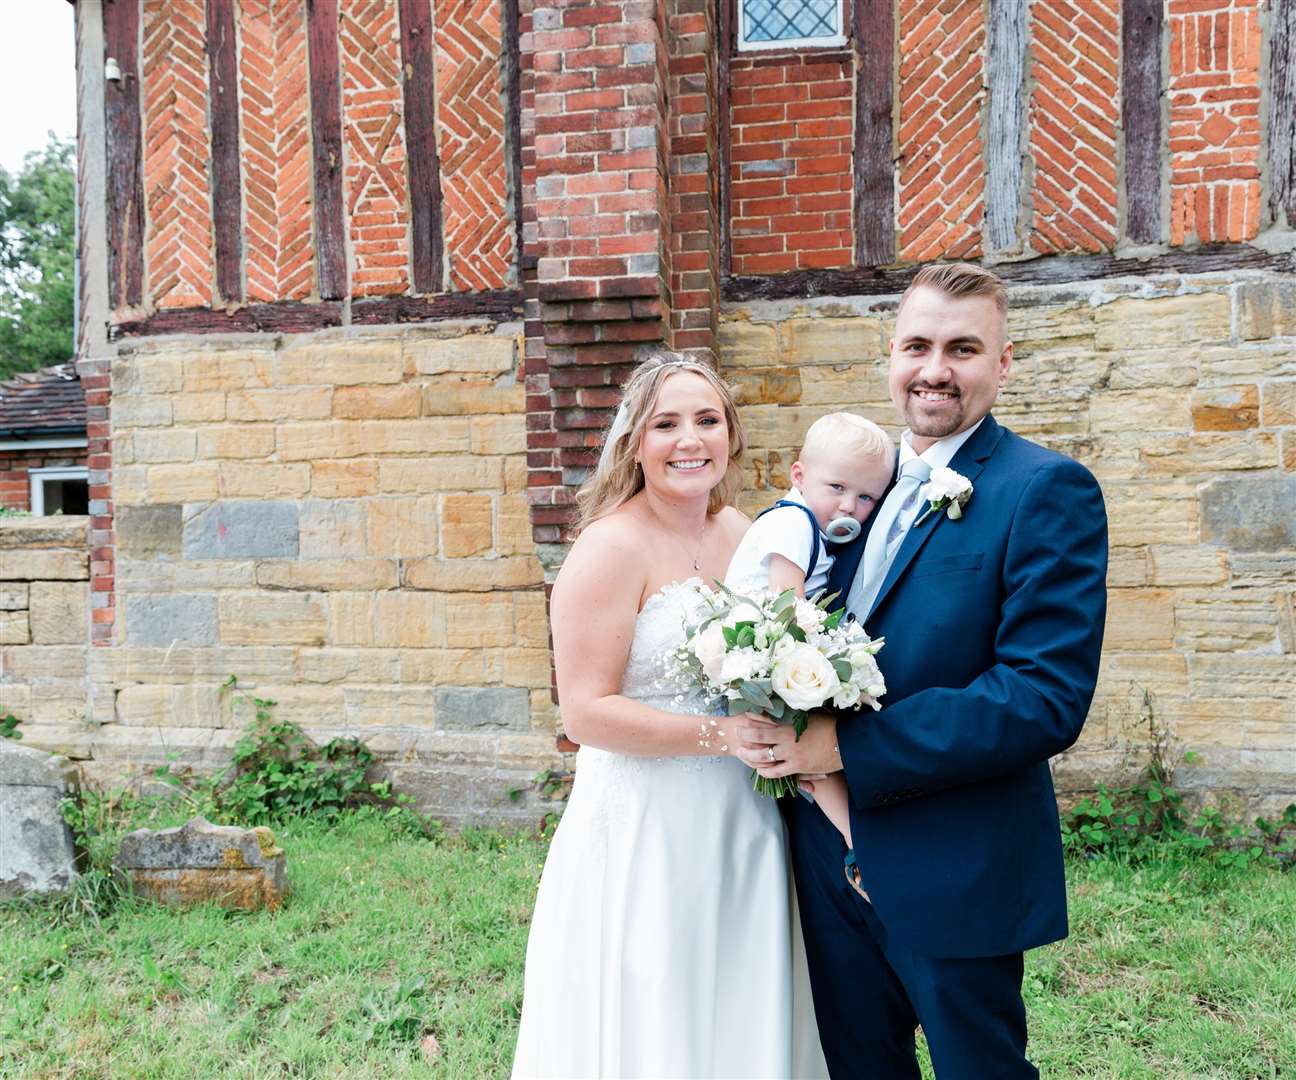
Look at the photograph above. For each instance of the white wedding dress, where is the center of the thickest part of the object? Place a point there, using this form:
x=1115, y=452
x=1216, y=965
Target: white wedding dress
x=664, y=942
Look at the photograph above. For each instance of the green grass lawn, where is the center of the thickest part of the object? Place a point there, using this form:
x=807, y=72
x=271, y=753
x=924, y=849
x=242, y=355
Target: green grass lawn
x=1171, y=971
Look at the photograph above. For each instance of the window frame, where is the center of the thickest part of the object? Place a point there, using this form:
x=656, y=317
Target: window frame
x=742, y=45
x=38, y=477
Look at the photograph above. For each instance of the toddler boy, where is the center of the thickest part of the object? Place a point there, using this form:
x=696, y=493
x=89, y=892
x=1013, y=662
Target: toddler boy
x=843, y=471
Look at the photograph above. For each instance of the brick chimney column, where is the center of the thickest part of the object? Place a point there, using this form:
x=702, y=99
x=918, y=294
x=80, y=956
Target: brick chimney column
x=596, y=237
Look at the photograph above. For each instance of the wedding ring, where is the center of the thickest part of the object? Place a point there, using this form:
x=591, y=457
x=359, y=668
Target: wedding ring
x=770, y=751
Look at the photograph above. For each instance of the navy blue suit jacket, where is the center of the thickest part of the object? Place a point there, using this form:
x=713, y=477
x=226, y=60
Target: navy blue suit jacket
x=993, y=627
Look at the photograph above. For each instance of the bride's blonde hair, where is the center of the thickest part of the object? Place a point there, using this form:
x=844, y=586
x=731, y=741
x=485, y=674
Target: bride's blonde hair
x=617, y=477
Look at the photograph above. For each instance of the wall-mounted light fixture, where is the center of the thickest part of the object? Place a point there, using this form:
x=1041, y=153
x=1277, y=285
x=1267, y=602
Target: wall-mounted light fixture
x=111, y=71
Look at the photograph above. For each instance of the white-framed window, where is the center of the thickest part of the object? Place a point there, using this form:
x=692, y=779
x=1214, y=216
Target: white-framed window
x=789, y=24
x=60, y=490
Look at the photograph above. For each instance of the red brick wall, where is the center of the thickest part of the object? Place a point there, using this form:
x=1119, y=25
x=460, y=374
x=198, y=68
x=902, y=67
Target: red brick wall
x=375, y=184
x=1214, y=92
x=177, y=150
x=15, y=465
x=790, y=161
x=281, y=92
x=479, y=228
x=1074, y=121
x=942, y=93
x=792, y=135
x=274, y=122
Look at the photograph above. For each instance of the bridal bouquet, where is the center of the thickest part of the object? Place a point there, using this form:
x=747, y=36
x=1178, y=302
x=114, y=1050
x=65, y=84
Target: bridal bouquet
x=779, y=656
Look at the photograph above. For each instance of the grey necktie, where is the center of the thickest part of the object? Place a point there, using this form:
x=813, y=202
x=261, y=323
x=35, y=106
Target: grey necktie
x=893, y=519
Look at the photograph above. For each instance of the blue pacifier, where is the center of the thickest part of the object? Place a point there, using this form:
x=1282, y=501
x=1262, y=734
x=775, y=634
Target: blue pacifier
x=842, y=530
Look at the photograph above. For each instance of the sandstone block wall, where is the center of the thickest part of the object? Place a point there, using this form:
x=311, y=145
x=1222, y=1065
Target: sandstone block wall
x=44, y=621
x=338, y=520
x=1180, y=394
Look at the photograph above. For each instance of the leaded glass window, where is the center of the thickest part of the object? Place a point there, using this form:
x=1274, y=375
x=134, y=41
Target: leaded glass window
x=781, y=24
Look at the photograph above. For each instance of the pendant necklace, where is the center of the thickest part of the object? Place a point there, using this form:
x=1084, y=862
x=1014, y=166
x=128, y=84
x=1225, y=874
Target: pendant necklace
x=697, y=554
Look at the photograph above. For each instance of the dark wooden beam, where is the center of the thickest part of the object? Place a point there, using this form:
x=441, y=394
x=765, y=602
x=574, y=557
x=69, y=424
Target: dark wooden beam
x=724, y=132
x=512, y=44
x=227, y=186
x=1282, y=113
x=501, y=304
x=418, y=66
x=124, y=153
x=287, y=317
x=1141, y=32
x=326, y=138
x=874, y=158
x=1050, y=270
x=1005, y=122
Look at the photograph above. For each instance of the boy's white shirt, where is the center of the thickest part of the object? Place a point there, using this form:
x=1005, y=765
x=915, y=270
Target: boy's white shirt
x=784, y=531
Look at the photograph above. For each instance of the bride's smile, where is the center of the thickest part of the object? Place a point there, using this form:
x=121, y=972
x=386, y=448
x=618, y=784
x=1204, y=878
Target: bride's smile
x=684, y=452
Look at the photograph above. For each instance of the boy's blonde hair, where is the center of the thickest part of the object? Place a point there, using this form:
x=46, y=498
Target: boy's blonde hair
x=848, y=433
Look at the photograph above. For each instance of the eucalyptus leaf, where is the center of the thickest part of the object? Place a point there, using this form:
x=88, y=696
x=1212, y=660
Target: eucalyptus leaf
x=752, y=692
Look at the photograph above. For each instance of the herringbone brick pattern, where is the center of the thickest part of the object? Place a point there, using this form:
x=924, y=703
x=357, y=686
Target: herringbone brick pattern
x=1215, y=53
x=275, y=128
x=942, y=175
x=1074, y=118
x=790, y=162
x=374, y=147
x=177, y=152
x=479, y=231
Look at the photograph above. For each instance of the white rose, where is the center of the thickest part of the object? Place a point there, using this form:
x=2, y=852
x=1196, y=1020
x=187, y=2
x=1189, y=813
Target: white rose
x=784, y=645
x=866, y=674
x=709, y=648
x=809, y=617
x=945, y=483
x=847, y=697
x=740, y=664
x=743, y=611
x=804, y=678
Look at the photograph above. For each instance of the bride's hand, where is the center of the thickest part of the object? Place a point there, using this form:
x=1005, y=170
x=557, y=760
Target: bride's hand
x=732, y=742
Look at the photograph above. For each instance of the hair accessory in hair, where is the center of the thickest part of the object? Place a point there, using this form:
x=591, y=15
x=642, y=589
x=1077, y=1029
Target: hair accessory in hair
x=620, y=424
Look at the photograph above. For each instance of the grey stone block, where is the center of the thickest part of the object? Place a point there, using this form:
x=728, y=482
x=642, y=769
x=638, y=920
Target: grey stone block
x=241, y=530
x=1251, y=513
x=469, y=708
x=146, y=532
x=37, y=851
x=166, y=620
x=198, y=844
x=204, y=863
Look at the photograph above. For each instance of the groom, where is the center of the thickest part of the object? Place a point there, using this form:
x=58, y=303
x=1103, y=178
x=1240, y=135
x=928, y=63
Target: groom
x=993, y=620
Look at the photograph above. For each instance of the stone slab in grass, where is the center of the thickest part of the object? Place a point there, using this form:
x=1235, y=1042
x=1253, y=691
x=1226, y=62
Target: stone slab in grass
x=199, y=862
x=37, y=850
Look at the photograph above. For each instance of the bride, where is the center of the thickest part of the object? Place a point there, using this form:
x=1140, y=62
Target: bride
x=663, y=940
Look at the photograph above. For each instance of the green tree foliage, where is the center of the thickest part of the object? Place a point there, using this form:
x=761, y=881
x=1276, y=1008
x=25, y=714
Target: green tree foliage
x=37, y=244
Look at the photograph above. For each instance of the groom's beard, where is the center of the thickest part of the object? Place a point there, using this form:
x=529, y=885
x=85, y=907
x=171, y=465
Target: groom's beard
x=947, y=419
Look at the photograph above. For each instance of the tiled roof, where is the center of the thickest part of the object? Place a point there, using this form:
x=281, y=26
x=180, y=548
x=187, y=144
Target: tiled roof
x=45, y=402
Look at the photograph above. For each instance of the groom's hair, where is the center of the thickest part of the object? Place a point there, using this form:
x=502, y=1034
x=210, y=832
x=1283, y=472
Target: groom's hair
x=960, y=280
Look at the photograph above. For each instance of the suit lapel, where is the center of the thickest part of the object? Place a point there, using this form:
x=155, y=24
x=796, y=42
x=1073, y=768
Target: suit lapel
x=969, y=461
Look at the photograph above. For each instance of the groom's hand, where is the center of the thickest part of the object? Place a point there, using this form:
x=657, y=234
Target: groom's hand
x=814, y=752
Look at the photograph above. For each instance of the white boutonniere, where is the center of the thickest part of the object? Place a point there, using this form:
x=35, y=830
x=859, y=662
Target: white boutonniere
x=945, y=490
